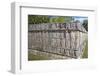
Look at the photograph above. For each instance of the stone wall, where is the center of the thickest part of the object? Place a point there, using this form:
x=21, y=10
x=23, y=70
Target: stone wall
x=67, y=39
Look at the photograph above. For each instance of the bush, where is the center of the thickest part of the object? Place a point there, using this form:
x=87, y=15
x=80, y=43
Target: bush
x=37, y=19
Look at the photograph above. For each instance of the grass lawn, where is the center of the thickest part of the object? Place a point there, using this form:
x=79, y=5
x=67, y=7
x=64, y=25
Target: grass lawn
x=85, y=53
x=36, y=57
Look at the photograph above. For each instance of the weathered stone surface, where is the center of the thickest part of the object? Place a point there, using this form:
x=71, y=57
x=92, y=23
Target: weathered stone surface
x=59, y=38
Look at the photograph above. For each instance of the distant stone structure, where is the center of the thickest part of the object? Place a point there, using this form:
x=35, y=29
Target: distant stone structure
x=59, y=39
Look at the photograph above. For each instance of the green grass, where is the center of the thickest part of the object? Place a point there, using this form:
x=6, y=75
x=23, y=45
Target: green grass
x=85, y=51
x=36, y=57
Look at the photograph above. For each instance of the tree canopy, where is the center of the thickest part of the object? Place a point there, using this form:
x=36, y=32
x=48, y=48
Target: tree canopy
x=85, y=24
x=61, y=19
x=37, y=19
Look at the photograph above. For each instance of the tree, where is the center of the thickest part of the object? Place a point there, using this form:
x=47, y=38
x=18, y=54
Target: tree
x=37, y=19
x=60, y=19
x=85, y=24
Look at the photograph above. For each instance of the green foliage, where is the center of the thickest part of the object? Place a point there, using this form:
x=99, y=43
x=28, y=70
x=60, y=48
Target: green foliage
x=60, y=19
x=85, y=24
x=37, y=19
x=69, y=19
